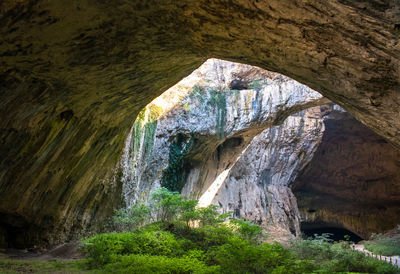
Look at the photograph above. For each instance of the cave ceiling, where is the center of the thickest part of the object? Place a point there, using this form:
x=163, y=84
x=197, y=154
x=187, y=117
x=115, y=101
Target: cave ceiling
x=74, y=74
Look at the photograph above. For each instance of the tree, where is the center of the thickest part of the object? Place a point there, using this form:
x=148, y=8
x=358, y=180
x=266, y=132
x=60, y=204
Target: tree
x=166, y=204
x=126, y=219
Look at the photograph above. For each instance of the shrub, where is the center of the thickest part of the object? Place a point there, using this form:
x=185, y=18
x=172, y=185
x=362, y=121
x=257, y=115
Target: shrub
x=210, y=216
x=207, y=237
x=166, y=204
x=158, y=264
x=126, y=219
x=248, y=230
x=318, y=248
x=240, y=256
x=188, y=212
x=103, y=247
x=383, y=245
x=173, y=246
x=337, y=257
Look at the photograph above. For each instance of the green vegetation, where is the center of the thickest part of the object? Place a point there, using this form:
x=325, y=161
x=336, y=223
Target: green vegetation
x=145, y=127
x=218, y=102
x=126, y=219
x=382, y=245
x=198, y=92
x=329, y=257
x=27, y=266
x=174, y=176
x=256, y=84
x=186, y=239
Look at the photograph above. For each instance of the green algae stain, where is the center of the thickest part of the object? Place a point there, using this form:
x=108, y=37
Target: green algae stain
x=144, y=130
x=221, y=116
x=218, y=101
x=175, y=176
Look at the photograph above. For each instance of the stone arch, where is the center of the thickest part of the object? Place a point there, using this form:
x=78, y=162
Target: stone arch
x=107, y=60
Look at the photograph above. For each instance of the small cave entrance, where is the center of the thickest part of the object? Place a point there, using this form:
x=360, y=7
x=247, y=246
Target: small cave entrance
x=16, y=232
x=335, y=233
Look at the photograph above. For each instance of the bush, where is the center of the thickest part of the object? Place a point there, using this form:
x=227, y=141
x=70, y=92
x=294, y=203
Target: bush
x=126, y=219
x=337, y=257
x=210, y=215
x=173, y=246
x=101, y=248
x=383, y=245
x=166, y=204
x=158, y=264
x=248, y=230
x=207, y=237
x=240, y=256
x=189, y=214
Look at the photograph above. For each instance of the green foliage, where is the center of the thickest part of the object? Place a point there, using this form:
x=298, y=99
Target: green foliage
x=174, y=176
x=218, y=102
x=167, y=204
x=144, y=130
x=126, y=219
x=240, y=256
x=103, y=248
x=248, y=230
x=174, y=246
x=383, y=245
x=256, y=84
x=198, y=92
x=337, y=257
x=189, y=214
x=207, y=237
x=209, y=215
x=158, y=264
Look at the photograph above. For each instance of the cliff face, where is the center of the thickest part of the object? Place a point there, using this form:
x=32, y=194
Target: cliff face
x=206, y=137
x=258, y=186
x=222, y=135
x=353, y=180
x=74, y=74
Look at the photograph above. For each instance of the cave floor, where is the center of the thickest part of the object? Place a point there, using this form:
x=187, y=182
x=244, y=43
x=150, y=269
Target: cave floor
x=64, y=258
x=38, y=266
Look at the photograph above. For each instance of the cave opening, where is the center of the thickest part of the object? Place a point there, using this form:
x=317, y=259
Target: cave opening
x=352, y=182
x=334, y=233
x=226, y=135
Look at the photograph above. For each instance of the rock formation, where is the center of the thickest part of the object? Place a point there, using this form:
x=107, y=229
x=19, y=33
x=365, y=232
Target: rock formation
x=353, y=180
x=74, y=74
x=205, y=138
x=258, y=187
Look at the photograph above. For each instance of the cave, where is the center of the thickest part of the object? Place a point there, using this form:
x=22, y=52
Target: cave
x=74, y=75
x=337, y=234
x=352, y=181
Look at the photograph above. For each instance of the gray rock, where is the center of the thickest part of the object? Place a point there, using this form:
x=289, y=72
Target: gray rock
x=236, y=155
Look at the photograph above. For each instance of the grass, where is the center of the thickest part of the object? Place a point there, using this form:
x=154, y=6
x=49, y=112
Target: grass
x=8, y=266
x=382, y=245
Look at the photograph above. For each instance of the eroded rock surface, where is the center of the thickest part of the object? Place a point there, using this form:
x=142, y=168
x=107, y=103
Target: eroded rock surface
x=211, y=142
x=206, y=139
x=258, y=187
x=74, y=74
x=353, y=180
